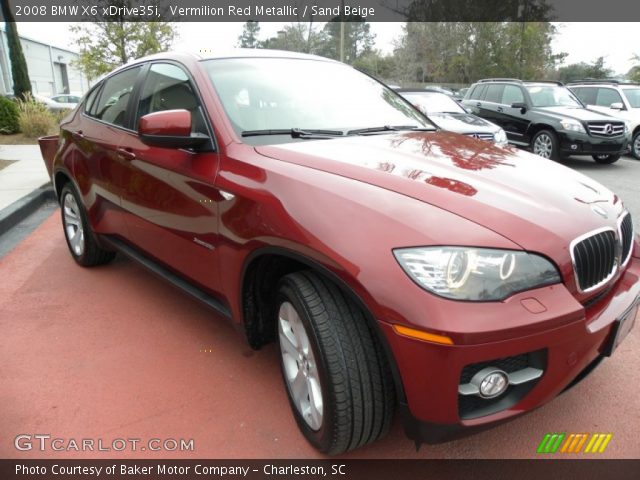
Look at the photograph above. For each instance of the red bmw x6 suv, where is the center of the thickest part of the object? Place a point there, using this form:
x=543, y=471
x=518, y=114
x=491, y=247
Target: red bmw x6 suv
x=399, y=267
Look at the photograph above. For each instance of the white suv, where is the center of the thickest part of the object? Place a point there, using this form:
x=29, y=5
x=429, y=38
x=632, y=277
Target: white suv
x=615, y=98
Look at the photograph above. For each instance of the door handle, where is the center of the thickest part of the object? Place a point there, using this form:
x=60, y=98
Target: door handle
x=499, y=109
x=126, y=154
x=478, y=104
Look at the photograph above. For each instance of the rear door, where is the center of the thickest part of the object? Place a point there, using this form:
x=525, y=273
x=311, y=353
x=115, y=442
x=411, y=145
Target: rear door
x=169, y=193
x=95, y=134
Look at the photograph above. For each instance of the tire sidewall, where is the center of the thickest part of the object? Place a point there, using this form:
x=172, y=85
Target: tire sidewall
x=634, y=152
x=323, y=437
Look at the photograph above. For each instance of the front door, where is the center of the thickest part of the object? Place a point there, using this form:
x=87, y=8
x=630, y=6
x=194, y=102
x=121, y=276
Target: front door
x=169, y=193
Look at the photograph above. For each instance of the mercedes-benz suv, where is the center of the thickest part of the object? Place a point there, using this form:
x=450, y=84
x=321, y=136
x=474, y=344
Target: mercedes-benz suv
x=548, y=118
x=614, y=98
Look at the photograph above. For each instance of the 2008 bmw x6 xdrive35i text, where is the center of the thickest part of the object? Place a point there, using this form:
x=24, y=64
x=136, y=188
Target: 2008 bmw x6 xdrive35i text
x=397, y=266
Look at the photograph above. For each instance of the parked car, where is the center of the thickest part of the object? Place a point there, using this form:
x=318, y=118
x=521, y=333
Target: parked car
x=399, y=267
x=549, y=119
x=67, y=99
x=51, y=104
x=449, y=115
x=615, y=98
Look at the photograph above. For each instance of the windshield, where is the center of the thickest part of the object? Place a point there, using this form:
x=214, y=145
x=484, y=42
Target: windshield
x=275, y=94
x=552, y=96
x=430, y=103
x=633, y=96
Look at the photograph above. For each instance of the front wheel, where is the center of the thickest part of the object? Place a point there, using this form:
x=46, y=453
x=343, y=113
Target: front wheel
x=635, y=145
x=606, y=159
x=545, y=144
x=338, y=382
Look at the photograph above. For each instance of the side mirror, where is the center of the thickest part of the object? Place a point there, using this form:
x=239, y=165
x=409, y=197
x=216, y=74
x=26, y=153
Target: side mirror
x=521, y=105
x=169, y=129
x=617, y=106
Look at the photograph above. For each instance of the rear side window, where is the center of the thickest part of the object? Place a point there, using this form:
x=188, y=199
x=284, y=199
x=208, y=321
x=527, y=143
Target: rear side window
x=478, y=92
x=607, y=96
x=114, y=97
x=587, y=95
x=512, y=94
x=494, y=93
x=89, y=102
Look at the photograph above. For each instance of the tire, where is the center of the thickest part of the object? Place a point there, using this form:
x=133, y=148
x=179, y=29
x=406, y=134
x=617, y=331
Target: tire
x=606, y=159
x=344, y=397
x=635, y=145
x=545, y=144
x=80, y=238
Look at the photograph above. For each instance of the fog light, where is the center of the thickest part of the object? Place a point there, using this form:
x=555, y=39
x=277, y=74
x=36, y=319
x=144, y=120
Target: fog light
x=491, y=382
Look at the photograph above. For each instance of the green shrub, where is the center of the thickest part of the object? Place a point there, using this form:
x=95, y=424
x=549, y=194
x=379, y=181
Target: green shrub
x=9, y=116
x=35, y=119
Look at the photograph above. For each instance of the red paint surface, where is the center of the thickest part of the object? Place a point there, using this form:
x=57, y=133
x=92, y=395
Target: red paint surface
x=115, y=352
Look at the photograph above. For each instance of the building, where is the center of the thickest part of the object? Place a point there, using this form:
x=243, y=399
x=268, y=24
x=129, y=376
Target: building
x=50, y=68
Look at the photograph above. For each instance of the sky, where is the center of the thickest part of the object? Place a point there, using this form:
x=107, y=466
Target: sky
x=584, y=42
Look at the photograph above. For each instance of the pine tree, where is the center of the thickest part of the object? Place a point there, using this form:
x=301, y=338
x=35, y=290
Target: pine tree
x=19, y=71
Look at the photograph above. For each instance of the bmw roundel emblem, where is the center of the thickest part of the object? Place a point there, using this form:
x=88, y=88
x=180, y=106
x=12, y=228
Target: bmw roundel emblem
x=599, y=210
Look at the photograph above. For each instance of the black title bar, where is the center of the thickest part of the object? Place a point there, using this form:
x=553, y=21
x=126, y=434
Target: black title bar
x=325, y=10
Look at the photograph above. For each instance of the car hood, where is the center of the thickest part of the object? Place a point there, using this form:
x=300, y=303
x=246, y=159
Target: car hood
x=463, y=123
x=582, y=114
x=536, y=203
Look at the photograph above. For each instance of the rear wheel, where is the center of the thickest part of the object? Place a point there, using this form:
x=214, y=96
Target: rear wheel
x=80, y=238
x=606, y=159
x=338, y=381
x=545, y=144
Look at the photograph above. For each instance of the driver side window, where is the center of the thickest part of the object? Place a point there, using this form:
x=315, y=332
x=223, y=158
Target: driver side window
x=167, y=87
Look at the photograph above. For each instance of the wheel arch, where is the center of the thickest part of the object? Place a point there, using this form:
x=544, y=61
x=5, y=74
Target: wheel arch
x=261, y=271
x=537, y=127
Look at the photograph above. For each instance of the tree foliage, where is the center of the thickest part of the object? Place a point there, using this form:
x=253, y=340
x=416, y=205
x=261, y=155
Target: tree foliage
x=462, y=52
x=634, y=73
x=105, y=45
x=19, y=70
x=249, y=36
x=582, y=70
x=358, y=39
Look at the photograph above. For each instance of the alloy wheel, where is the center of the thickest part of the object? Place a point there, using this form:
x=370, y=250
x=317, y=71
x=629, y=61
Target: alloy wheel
x=543, y=146
x=300, y=367
x=73, y=224
x=636, y=146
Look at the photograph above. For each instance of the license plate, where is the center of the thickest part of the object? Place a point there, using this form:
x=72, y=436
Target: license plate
x=621, y=328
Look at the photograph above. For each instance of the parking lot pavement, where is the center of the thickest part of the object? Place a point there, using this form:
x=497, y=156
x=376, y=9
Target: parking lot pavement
x=116, y=353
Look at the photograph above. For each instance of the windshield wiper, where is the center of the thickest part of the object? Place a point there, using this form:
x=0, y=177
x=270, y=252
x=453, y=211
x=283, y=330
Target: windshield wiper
x=388, y=128
x=295, y=133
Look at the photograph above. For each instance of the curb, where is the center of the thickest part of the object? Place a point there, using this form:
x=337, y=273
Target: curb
x=20, y=209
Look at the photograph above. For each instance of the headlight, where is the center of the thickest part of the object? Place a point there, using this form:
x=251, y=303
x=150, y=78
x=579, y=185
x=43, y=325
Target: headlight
x=572, y=126
x=479, y=274
x=500, y=137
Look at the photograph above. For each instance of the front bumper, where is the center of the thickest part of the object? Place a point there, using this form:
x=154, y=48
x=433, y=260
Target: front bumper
x=431, y=373
x=574, y=143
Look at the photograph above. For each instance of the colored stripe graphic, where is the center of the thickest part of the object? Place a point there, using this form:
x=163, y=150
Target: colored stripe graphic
x=551, y=442
x=573, y=443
